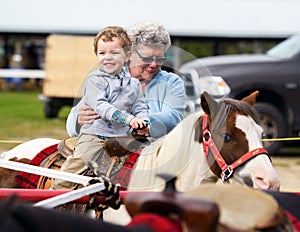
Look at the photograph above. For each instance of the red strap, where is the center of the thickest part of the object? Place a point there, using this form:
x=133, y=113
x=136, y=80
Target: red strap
x=205, y=132
x=208, y=143
x=227, y=170
x=218, y=157
x=249, y=155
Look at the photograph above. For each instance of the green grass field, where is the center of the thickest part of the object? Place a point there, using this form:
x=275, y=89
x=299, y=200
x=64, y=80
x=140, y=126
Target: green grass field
x=22, y=119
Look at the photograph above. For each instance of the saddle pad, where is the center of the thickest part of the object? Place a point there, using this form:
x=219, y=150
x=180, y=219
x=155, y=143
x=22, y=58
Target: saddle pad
x=123, y=176
x=29, y=180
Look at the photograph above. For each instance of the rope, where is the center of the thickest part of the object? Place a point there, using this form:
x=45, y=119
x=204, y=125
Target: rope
x=264, y=140
x=11, y=141
x=281, y=139
x=111, y=194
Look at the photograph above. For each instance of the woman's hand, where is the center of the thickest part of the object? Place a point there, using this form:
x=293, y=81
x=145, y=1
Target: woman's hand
x=86, y=115
x=144, y=132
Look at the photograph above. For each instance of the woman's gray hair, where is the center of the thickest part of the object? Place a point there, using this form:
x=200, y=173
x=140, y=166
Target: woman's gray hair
x=148, y=32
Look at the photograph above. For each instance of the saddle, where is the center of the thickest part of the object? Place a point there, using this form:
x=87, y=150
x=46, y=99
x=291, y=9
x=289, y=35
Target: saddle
x=114, y=155
x=53, y=161
x=54, y=156
x=199, y=215
x=244, y=209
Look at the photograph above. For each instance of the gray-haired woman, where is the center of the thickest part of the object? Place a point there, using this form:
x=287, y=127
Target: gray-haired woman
x=164, y=91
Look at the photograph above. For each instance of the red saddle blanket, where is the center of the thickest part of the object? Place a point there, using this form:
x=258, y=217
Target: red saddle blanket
x=30, y=181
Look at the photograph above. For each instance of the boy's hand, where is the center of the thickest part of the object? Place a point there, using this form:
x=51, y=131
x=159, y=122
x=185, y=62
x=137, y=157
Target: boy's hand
x=137, y=123
x=140, y=126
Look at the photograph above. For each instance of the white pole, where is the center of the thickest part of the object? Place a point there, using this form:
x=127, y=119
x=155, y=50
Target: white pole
x=84, y=180
x=70, y=196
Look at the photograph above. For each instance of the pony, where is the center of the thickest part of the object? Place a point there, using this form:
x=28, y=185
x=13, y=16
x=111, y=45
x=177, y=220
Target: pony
x=188, y=153
x=221, y=142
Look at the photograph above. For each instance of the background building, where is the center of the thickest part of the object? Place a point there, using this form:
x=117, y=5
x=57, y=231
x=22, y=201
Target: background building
x=202, y=27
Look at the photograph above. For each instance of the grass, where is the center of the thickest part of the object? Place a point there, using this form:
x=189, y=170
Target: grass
x=22, y=119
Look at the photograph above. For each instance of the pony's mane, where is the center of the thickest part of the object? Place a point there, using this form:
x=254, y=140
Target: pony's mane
x=185, y=127
x=242, y=108
x=227, y=106
x=171, y=153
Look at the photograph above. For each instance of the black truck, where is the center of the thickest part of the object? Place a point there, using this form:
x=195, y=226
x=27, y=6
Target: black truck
x=276, y=74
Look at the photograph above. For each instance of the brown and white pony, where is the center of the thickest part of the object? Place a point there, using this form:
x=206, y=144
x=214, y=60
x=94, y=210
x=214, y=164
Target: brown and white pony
x=224, y=142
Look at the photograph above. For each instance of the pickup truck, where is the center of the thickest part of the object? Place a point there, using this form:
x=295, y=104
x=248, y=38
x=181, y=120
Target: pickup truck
x=276, y=74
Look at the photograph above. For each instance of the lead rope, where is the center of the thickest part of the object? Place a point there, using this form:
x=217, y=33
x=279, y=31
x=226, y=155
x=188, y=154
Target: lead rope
x=111, y=194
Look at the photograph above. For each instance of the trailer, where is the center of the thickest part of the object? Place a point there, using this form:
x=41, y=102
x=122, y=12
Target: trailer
x=68, y=60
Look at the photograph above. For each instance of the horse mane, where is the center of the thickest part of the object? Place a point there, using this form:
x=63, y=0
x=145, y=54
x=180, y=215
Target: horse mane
x=226, y=107
x=242, y=108
x=229, y=105
x=174, y=153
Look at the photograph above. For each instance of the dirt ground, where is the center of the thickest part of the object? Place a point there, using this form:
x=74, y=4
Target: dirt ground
x=288, y=169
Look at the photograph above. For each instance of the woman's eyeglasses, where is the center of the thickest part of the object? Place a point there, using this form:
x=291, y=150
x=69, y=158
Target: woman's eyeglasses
x=150, y=59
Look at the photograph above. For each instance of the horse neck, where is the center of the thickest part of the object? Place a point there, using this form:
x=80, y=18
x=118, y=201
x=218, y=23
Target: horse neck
x=177, y=153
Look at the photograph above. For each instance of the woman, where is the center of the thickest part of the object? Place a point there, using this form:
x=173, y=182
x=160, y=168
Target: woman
x=164, y=92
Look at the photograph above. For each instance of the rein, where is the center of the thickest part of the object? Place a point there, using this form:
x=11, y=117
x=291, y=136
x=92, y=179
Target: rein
x=227, y=170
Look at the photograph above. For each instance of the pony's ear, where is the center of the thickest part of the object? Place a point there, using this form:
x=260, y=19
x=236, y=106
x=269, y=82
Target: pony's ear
x=208, y=104
x=251, y=99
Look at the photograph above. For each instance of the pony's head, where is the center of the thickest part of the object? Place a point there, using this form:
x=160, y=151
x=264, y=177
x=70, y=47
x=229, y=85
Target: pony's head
x=231, y=135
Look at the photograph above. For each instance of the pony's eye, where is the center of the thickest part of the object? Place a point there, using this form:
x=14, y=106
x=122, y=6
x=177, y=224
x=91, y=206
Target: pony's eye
x=227, y=138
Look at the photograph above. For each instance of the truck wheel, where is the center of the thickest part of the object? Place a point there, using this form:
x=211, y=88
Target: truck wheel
x=51, y=108
x=273, y=124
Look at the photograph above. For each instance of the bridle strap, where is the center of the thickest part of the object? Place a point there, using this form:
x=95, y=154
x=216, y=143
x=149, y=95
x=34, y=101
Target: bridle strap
x=249, y=155
x=227, y=170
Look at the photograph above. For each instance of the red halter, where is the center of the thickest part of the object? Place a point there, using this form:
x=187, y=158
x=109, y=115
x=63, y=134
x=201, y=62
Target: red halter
x=227, y=170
